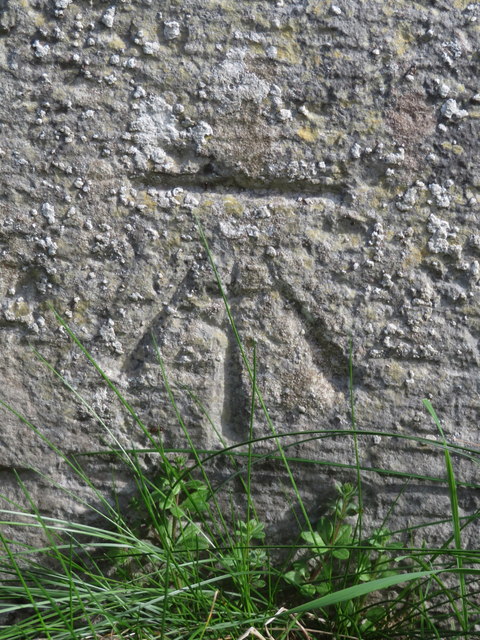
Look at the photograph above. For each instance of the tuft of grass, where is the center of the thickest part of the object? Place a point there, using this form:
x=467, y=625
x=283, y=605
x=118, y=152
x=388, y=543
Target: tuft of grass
x=187, y=561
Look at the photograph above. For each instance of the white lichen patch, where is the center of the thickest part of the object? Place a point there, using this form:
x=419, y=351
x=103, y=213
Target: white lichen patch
x=18, y=310
x=443, y=90
x=284, y=115
x=440, y=195
x=439, y=240
x=356, y=151
x=171, y=29
x=451, y=111
x=108, y=17
x=232, y=231
x=107, y=334
x=156, y=134
x=377, y=241
x=40, y=50
x=200, y=133
x=139, y=92
x=232, y=82
x=48, y=212
x=48, y=245
x=154, y=130
x=150, y=48
x=396, y=158
x=408, y=199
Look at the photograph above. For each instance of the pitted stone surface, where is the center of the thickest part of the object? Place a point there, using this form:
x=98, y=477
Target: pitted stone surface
x=329, y=151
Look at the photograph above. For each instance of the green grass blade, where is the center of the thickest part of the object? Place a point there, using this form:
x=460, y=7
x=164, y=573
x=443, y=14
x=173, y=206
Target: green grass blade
x=359, y=590
x=353, y=419
x=452, y=489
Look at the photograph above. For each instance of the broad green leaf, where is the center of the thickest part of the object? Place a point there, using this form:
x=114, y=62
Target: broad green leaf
x=344, y=534
x=375, y=613
x=365, y=577
x=177, y=512
x=198, y=485
x=293, y=577
x=301, y=569
x=315, y=540
x=308, y=590
x=254, y=528
x=196, y=502
x=367, y=625
x=325, y=528
x=191, y=539
x=341, y=553
x=323, y=588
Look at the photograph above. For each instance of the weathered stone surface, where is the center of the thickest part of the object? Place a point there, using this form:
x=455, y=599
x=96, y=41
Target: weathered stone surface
x=7, y=16
x=329, y=152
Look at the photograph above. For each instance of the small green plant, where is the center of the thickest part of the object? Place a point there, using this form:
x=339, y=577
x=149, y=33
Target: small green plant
x=167, y=512
x=245, y=556
x=335, y=558
x=329, y=542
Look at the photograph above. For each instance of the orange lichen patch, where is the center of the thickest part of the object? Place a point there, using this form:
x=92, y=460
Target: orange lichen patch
x=402, y=42
x=116, y=42
x=455, y=148
x=414, y=258
x=307, y=133
x=233, y=206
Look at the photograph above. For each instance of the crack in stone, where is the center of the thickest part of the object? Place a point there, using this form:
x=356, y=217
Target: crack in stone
x=245, y=185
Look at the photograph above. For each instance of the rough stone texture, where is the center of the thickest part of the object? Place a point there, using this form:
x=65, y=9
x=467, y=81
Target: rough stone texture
x=328, y=150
